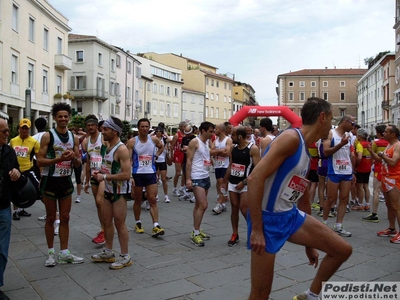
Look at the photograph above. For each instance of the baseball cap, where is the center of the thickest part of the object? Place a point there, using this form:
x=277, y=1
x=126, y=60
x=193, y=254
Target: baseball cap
x=25, y=122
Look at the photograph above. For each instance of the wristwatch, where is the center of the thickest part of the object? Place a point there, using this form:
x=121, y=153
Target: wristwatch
x=380, y=153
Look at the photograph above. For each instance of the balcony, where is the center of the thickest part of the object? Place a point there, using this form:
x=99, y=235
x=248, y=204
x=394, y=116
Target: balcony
x=128, y=102
x=89, y=94
x=62, y=62
x=385, y=105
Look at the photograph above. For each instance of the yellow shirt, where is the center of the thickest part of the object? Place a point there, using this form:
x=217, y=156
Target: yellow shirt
x=25, y=149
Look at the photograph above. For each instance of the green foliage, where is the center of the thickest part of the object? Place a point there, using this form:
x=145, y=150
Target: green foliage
x=125, y=132
x=77, y=121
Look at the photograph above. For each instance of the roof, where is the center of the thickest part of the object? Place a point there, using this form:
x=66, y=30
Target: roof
x=217, y=75
x=326, y=72
x=76, y=38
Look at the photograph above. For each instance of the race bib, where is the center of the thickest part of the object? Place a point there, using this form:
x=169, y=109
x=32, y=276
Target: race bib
x=295, y=189
x=207, y=165
x=342, y=165
x=63, y=168
x=219, y=160
x=237, y=170
x=95, y=162
x=21, y=151
x=145, y=160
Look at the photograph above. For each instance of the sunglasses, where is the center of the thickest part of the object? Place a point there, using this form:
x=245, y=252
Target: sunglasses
x=351, y=122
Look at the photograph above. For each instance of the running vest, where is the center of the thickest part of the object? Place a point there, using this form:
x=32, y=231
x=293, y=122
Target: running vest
x=366, y=160
x=93, y=150
x=313, y=150
x=221, y=161
x=323, y=160
x=56, y=148
x=111, y=166
x=242, y=164
x=339, y=163
x=143, y=156
x=201, y=163
x=177, y=147
x=387, y=170
x=161, y=157
x=283, y=188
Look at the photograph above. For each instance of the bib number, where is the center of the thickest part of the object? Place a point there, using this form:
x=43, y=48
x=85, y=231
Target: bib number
x=295, y=189
x=95, y=162
x=342, y=165
x=145, y=160
x=63, y=168
x=21, y=151
x=207, y=165
x=237, y=170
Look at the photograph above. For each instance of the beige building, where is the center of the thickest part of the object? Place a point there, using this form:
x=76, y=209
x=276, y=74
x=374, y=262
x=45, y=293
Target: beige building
x=244, y=94
x=338, y=86
x=33, y=57
x=202, y=78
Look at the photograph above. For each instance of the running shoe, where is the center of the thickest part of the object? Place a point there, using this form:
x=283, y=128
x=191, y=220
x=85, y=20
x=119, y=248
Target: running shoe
x=157, y=231
x=78, y=199
x=217, y=209
x=348, y=209
x=69, y=259
x=340, y=231
x=147, y=205
x=204, y=236
x=396, y=239
x=175, y=192
x=371, y=218
x=51, y=260
x=302, y=296
x=99, y=239
x=320, y=213
x=139, y=228
x=367, y=207
x=387, y=232
x=332, y=214
x=167, y=200
x=104, y=256
x=223, y=207
x=197, y=240
x=192, y=199
x=121, y=262
x=24, y=213
x=358, y=207
x=234, y=240
x=182, y=191
x=15, y=216
x=315, y=206
x=42, y=218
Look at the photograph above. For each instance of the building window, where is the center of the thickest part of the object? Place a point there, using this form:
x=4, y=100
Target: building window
x=100, y=59
x=154, y=87
x=78, y=82
x=79, y=56
x=230, y=99
x=118, y=61
x=302, y=84
x=217, y=83
x=212, y=112
x=58, y=84
x=45, y=82
x=31, y=29
x=79, y=106
x=313, y=95
x=212, y=96
x=176, y=110
x=14, y=69
x=15, y=18
x=325, y=94
x=161, y=109
x=129, y=67
x=207, y=81
x=302, y=96
x=206, y=111
x=325, y=83
x=313, y=83
x=342, y=112
x=31, y=75
x=193, y=99
x=176, y=92
x=212, y=82
x=161, y=89
x=225, y=98
x=154, y=111
x=59, y=45
x=168, y=110
x=291, y=83
x=217, y=97
x=291, y=96
x=342, y=83
x=217, y=113
x=112, y=64
x=168, y=91
x=112, y=88
x=45, y=39
x=207, y=95
x=342, y=96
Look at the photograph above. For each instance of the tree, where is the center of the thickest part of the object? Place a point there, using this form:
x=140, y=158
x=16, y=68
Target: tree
x=77, y=121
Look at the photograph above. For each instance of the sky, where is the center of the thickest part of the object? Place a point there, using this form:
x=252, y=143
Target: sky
x=256, y=40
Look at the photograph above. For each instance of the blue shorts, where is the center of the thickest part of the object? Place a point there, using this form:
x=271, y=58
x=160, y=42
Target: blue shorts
x=145, y=179
x=335, y=178
x=278, y=227
x=203, y=183
x=220, y=172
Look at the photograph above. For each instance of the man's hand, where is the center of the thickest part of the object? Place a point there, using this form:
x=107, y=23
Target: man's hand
x=312, y=255
x=257, y=241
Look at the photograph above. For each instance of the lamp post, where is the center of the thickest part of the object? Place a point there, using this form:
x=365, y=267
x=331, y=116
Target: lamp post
x=28, y=104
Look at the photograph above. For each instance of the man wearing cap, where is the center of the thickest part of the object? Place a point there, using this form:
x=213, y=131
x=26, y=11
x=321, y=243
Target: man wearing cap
x=9, y=172
x=25, y=146
x=92, y=145
x=58, y=154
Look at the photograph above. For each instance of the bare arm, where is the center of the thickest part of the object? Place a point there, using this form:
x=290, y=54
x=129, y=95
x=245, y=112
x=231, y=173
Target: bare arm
x=159, y=145
x=193, y=146
x=328, y=150
x=396, y=156
x=43, y=161
x=76, y=161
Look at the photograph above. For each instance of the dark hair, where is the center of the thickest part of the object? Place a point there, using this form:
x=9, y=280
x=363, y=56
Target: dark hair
x=267, y=124
x=40, y=124
x=100, y=124
x=395, y=130
x=143, y=120
x=380, y=128
x=206, y=125
x=60, y=106
x=162, y=125
x=227, y=124
x=91, y=116
x=241, y=131
x=313, y=108
x=159, y=129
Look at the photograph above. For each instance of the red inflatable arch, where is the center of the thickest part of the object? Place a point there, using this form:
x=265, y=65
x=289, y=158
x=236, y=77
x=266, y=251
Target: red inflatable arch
x=254, y=111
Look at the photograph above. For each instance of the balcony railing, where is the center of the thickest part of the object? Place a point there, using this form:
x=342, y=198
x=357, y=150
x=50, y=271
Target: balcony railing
x=385, y=105
x=90, y=94
x=62, y=62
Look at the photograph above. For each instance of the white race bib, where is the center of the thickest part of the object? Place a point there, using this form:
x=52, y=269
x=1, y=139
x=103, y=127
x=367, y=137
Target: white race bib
x=295, y=189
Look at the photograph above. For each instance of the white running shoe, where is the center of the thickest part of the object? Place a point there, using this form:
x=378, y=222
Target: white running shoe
x=167, y=200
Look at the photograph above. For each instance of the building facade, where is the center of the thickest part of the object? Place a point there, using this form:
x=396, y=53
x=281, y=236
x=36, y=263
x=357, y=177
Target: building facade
x=338, y=86
x=33, y=58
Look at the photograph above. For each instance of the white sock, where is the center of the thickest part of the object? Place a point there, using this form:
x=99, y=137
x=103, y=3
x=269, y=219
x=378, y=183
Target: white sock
x=196, y=232
x=138, y=221
x=64, y=252
x=50, y=250
x=155, y=224
x=311, y=295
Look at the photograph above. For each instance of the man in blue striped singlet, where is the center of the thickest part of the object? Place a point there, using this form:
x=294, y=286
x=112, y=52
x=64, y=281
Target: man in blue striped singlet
x=277, y=184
